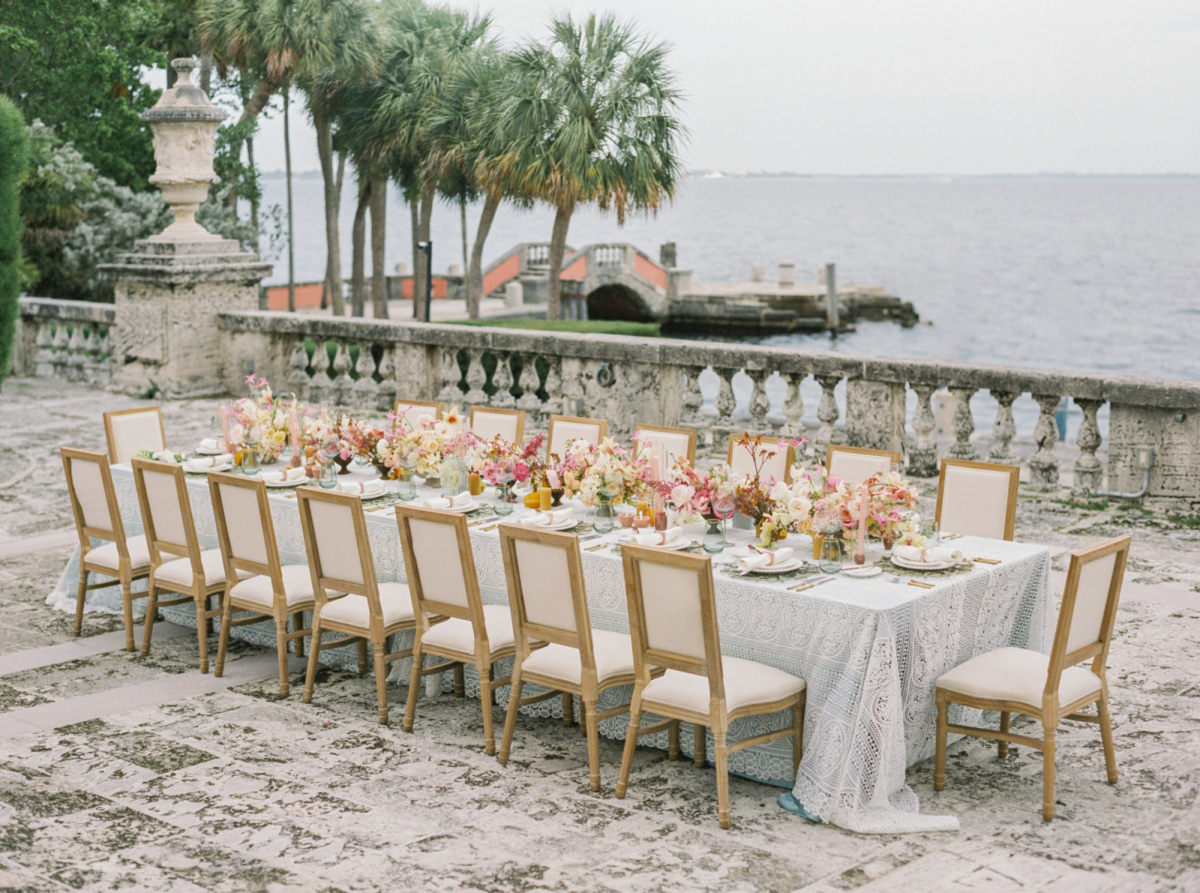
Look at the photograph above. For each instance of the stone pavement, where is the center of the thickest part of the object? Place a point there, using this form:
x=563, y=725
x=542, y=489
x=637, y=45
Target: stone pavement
x=123, y=772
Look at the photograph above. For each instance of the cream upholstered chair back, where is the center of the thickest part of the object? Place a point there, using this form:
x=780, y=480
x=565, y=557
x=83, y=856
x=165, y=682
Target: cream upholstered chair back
x=508, y=424
x=977, y=498
x=564, y=429
x=166, y=511
x=545, y=586
x=777, y=466
x=245, y=530
x=414, y=410
x=439, y=563
x=854, y=465
x=1089, y=608
x=672, y=613
x=337, y=545
x=672, y=443
x=130, y=430
x=93, y=499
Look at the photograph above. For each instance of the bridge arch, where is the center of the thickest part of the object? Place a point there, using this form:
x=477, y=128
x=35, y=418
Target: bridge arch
x=618, y=302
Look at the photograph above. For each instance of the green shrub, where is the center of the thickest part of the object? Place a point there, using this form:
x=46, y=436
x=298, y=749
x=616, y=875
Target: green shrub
x=13, y=158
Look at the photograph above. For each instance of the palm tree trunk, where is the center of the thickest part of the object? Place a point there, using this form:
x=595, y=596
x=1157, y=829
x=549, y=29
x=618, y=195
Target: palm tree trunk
x=475, y=271
x=558, y=246
x=254, y=200
x=378, y=273
x=462, y=212
x=333, y=253
x=421, y=283
x=206, y=67
x=414, y=210
x=287, y=161
x=358, y=285
x=250, y=109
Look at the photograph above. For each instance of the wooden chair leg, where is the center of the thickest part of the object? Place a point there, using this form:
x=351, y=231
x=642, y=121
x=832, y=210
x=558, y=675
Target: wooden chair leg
x=510, y=716
x=281, y=646
x=722, y=750
x=127, y=610
x=939, y=760
x=151, y=613
x=414, y=686
x=593, y=743
x=798, y=734
x=1106, y=736
x=297, y=625
x=80, y=599
x=631, y=737
x=1002, y=746
x=314, y=652
x=1048, y=748
x=460, y=688
x=568, y=705
x=362, y=657
x=487, y=698
x=223, y=638
x=380, y=682
x=700, y=743
x=202, y=624
x=673, y=740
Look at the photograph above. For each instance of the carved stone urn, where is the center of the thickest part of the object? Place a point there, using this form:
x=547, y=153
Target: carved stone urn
x=184, y=124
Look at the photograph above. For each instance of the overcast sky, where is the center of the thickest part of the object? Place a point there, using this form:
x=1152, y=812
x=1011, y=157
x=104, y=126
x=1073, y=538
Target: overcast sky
x=908, y=86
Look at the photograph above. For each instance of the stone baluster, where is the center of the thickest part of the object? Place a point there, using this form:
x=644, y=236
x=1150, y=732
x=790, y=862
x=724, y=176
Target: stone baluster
x=1043, y=465
x=385, y=394
x=60, y=358
x=964, y=424
x=450, y=393
x=1088, y=471
x=102, y=372
x=922, y=454
x=77, y=347
x=476, y=379
x=693, y=399
x=793, y=407
x=320, y=387
x=760, y=404
x=1004, y=429
x=44, y=357
x=343, y=384
x=297, y=377
x=94, y=362
x=827, y=415
x=365, y=391
x=529, y=382
x=726, y=401
x=554, y=389
x=502, y=381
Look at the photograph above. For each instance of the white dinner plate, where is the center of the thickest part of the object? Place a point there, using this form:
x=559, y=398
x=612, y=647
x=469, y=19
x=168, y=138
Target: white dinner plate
x=462, y=510
x=226, y=467
x=204, y=452
x=561, y=525
x=670, y=547
x=870, y=571
x=281, y=485
x=921, y=565
x=790, y=565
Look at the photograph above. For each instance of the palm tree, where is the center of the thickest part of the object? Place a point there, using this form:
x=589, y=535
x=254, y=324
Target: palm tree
x=594, y=111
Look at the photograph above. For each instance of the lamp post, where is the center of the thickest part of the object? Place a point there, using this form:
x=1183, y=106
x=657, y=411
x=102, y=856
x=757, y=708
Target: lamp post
x=427, y=248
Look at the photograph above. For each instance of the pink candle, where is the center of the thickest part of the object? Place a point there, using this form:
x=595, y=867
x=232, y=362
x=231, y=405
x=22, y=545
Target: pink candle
x=655, y=465
x=225, y=424
x=864, y=508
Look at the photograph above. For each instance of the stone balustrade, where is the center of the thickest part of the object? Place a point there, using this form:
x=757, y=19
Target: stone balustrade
x=64, y=339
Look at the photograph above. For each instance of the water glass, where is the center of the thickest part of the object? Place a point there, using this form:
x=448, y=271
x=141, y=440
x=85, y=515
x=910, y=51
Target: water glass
x=714, y=536
x=406, y=487
x=328, y=476
x=929, y=530
x=504, y=504
x=830, y=561
x=602, y=517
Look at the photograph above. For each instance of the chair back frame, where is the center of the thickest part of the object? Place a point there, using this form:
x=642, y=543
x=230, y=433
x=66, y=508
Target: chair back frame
x=110, y=436
x=645, y=657
x=272, y=568
x=157, y=547
x=832, y=449
x=690, y=433
x=423, y=605
x=789, y=456
x=322, y=583
x=600, y=424
x=86, y=533
x=1014, y=473
x=523, y=628
x=490, y=410
x=438, y=407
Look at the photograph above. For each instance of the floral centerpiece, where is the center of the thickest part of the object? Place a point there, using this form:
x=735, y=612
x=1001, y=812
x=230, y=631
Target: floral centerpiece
x=261, y=419
x=586, y=468
x=432, y=441
x=754, y=494
x=502, y=463
x=696, y=496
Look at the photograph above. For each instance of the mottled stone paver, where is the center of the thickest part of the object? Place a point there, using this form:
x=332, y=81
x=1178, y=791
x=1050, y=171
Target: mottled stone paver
x=236, y=790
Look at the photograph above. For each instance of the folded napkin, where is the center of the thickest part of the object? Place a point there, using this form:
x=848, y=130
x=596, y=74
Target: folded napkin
x=207, y=463
x=931, y=555
x=659, y=537
x=209, y=444
x=762, y=558
x=365, y=489
x=287, y=476
x=166, y=456
x=548, y=519
x=461, y=501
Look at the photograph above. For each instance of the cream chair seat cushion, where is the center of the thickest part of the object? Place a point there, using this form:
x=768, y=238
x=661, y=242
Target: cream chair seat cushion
x=353, y=610
x=747, y=682
x=107, y=555
x=1016, y=674
x=613, y=653
x=297, y=587
x=456, y=634
x=178, y=572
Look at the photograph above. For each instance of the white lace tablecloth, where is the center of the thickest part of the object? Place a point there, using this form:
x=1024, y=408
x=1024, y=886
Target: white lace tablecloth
x=869, y=649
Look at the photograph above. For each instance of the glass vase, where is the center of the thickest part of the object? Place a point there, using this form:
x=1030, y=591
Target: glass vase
x=406, y=487
x=714, y=536
x=454, y=476
x=831, y=555
x=602, y=517
x=504, y=504
x=328, y=476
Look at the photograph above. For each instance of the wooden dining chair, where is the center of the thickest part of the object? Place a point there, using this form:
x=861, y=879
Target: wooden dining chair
x=1050, y=688
x=855, y=464
x=489, y=423
x=779, y=466
x=130, y=430
x=977, y=498
x=565, y=428
x=246, y=534
x=195, y=574
x=441, y=577
x=97, y=516
x=549, y=607
x=673, y=624
x=348, y=597
x=412, y=410
x=675, y=443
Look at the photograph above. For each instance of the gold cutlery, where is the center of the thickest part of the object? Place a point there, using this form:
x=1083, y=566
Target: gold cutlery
x=920, y=584
x=596, y=547
x=952, y=536
x=489, y=527
x=988, y=560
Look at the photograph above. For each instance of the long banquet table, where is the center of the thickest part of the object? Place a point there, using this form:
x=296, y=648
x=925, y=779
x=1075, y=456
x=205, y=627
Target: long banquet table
x=870, y=650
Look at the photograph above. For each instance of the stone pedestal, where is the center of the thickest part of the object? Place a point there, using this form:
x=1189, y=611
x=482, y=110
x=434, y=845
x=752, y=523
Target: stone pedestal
x=168, y=295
